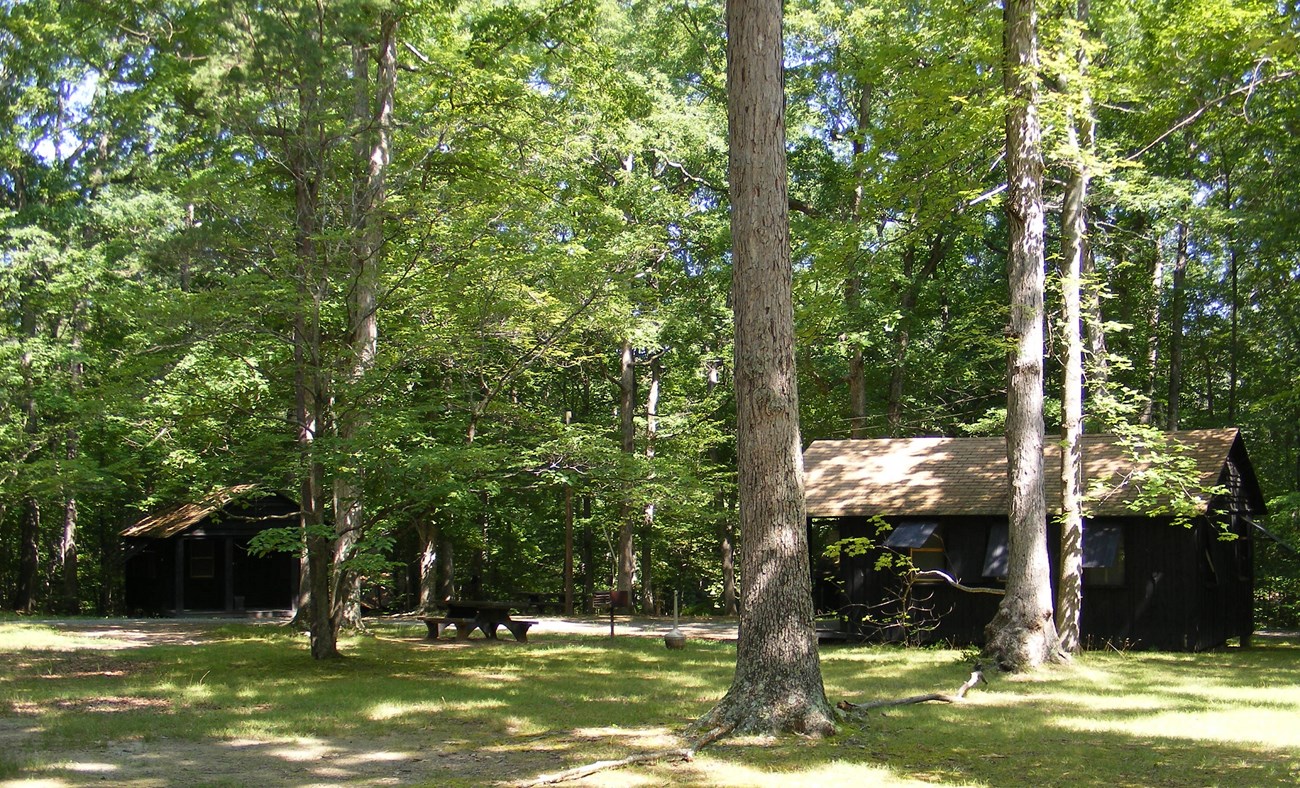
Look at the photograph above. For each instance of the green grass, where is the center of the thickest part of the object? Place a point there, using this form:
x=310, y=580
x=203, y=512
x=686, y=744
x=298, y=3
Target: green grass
x=451, y=713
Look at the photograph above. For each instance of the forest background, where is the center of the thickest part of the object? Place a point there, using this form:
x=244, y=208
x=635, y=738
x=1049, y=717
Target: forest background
x=455, y=275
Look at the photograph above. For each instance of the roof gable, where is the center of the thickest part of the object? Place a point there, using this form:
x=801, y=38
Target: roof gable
x=968, y=476
x=178, y=518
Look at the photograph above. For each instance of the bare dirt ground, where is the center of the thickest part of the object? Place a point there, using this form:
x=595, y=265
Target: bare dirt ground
x=382, y=760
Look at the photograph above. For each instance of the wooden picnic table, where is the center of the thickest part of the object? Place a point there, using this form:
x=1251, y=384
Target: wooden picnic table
x=466, y=615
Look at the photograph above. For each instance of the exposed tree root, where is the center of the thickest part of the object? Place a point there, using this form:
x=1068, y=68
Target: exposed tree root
x=861, y=709
x=718, y=732
x=679, y=754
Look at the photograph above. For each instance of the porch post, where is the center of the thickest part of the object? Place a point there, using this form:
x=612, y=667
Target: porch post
x=178, y=593
x=230, y=574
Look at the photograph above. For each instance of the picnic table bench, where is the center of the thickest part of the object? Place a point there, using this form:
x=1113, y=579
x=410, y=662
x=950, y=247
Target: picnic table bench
x=467, y=615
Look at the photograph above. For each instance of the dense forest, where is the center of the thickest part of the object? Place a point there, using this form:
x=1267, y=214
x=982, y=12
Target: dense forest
x=455, y=276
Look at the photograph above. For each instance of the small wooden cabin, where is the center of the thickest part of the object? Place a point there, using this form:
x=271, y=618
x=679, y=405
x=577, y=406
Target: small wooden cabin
x=194, y=557
x=1148, y=583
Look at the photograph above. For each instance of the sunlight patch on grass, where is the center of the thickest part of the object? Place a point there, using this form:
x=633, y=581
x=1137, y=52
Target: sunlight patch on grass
x=92, y=767
x=26, y=637
x=1257, y=696
x=640, y=738
x=1253, y=728
x=390, y=710
x=1083, y=701
x=717, y=772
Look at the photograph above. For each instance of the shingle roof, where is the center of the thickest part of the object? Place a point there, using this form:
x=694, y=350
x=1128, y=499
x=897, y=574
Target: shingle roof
x=968, y=476
x=174, y=519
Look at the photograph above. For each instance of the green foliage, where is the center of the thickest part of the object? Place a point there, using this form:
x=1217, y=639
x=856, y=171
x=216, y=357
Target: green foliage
x=558, y=185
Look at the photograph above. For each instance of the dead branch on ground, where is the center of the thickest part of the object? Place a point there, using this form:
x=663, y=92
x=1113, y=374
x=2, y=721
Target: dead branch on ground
x=861, y=709
x=679, y=754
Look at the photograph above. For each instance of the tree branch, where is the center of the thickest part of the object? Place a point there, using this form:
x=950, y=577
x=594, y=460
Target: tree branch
x=952, y=581
x=1248, y=89
x=860, y=709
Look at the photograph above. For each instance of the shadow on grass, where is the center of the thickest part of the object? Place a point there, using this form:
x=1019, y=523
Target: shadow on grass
x=250, y=704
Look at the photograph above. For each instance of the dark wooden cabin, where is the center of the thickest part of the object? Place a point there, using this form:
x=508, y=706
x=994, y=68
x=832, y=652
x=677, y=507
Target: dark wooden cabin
x=1148, y=583
x=194, y=557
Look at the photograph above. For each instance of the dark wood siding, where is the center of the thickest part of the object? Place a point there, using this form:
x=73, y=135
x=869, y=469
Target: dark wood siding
x=1166, y=598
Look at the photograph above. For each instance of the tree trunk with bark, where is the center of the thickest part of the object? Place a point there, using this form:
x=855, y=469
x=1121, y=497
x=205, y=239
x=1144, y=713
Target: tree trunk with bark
x=722, y=505
x=1157, y=274
x=426, y=529
x=373, y=121
x=29, y=534
x=778, y=684
x=649, y=602
x=853, y=282
x=1074, y=242
x=626, y=558
x=1177, y=317
x=1022, y=635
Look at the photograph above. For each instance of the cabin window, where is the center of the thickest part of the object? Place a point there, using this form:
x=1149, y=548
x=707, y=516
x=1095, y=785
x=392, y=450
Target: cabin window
x=911, y=534
x=1103, y=554
x=928, y=557
x=997, y=554
x=918, y=540
x=203, y=559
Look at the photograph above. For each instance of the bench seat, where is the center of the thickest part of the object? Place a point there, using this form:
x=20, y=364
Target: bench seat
x=464, y=626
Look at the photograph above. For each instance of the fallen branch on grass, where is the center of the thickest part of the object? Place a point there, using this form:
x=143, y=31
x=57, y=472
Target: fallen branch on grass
x=679, y=754
x=976, y=677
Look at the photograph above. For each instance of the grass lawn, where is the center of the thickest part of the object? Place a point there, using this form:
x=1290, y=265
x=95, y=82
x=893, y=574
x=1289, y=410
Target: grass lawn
x=246, y=705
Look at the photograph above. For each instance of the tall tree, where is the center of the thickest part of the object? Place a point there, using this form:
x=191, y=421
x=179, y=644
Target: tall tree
x=778, y=683
x=1022, y=635
x=1080, y=133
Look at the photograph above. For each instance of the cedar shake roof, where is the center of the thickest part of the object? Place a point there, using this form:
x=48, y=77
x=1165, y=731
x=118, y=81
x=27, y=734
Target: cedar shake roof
x=175, y=519
x=968, y=476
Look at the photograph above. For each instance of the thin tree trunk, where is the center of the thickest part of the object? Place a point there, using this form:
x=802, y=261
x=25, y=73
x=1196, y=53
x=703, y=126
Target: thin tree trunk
x=588, y=558
x=446, y=571
x=722, y=505
x=1234, y=346
x=648, y=600
x=1074, y=241
x=1097, y=362
x=568, y=535
x=778, y=683
x=373, y=147
x=68, y=554
x=1153, y=335
x=1177, y=317
x=309, y=384
x=627, y=430
x=1022, y=634
x=853, y=283
x=29, y=545
x=902, y=335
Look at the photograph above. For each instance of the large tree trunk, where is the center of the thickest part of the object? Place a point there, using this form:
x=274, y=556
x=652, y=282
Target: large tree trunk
x=1177, y=316
x=426, y=529
x=1074, y=243
x=778, y=684
x=1022, y=635
x=626, y=559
